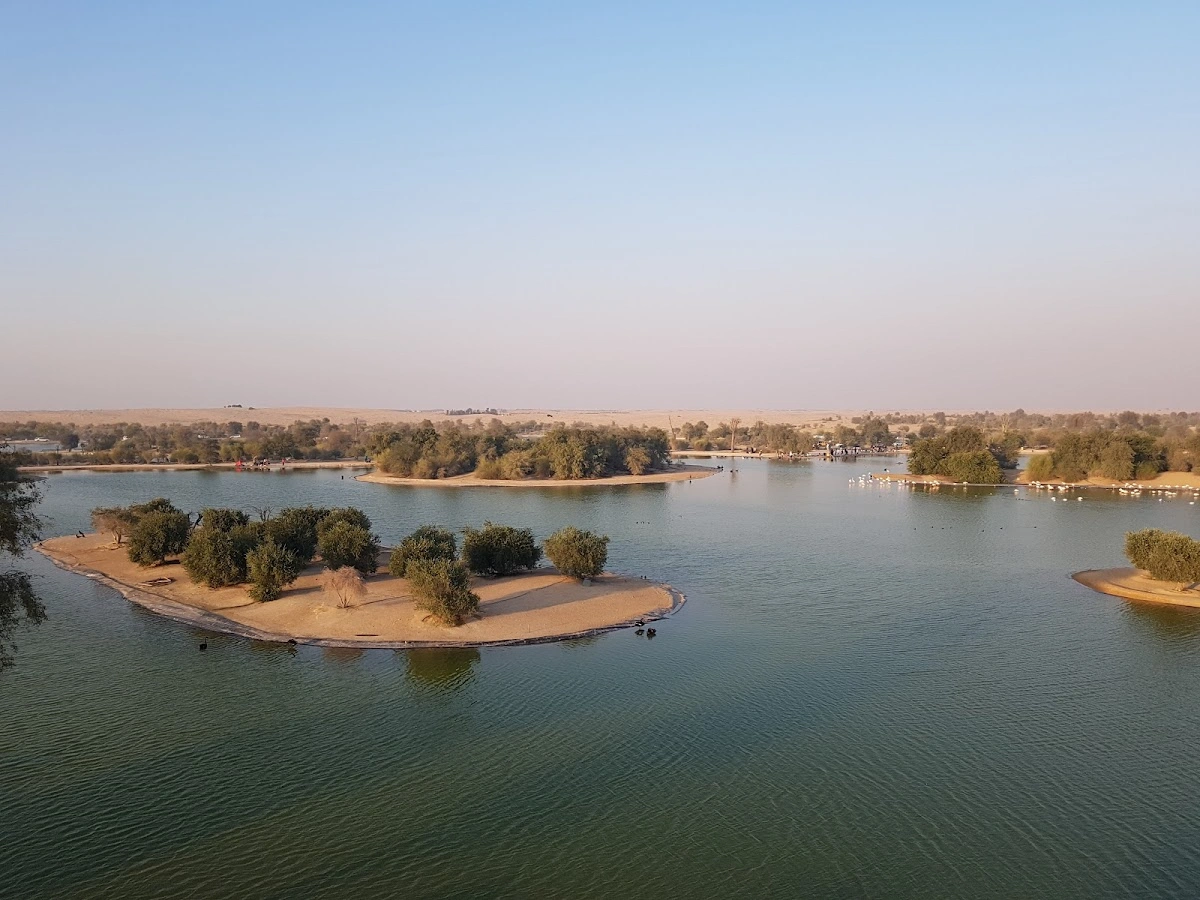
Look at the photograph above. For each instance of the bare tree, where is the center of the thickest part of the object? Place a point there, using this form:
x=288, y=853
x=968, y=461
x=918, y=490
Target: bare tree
x=733, y=427
x=346, y=582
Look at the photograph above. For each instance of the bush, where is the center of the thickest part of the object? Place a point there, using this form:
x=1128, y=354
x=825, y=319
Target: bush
x=271, y=568
x=443, y=589
x=158, y=535
x=973, y=467
x=346, y=582
x=499, y=549
x=1040, y=468
x=348, y=514
x=296, y=528
x=1166, y=555
x=347, y=544
x=427, y=542
x=223, y=519
x=217, y=558
x=577, y=554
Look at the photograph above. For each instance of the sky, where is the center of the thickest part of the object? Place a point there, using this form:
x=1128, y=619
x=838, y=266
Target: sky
x=607, y=205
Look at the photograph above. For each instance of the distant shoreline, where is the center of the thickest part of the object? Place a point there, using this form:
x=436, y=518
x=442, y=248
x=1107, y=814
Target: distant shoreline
x=678, y=473
x=1131, y=584
x=197, y=467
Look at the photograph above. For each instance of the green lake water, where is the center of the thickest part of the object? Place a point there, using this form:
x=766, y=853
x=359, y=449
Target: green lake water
x=872, y=691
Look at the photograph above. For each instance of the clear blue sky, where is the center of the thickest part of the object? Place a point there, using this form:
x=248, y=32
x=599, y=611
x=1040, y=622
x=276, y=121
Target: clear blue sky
x=789, y=205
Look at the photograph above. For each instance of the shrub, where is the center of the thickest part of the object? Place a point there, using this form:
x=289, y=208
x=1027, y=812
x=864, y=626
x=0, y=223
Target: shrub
x=296, y=528
x=577, y=554
x=223, y=519
x=346, y=544
x=1041, y=467
x=427, y=542
x=158, y=535
x=346, y=582
x=443, y=589
x=348, y=514
x=973, y=467
x=1166, y=555
x=217, y=558
x=499, y=549
x=271, y=568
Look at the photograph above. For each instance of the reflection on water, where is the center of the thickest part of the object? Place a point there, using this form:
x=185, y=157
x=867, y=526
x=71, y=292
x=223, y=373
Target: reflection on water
x=448, y=668
x=872, y=691
x=1177, y=624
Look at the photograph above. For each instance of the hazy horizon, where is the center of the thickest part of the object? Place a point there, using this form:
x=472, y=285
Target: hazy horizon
x=404, y=207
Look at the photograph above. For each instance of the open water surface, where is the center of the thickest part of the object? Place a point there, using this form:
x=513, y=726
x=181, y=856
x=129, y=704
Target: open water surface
x=872, y=692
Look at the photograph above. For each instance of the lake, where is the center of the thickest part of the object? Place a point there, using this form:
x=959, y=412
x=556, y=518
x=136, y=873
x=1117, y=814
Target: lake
x=872, y=691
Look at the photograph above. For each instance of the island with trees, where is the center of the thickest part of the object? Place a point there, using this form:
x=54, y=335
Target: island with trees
x=1166, y=569
x=320, y=576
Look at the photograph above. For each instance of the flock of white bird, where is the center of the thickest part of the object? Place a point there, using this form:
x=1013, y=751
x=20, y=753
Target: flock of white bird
x=1166, y=492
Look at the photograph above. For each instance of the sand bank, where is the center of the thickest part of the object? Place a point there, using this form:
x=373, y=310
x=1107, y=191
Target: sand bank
x=677, y=473
x=521, y=609
x=1133, y=584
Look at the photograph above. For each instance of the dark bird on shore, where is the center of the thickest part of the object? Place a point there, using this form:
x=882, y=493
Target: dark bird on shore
x=640, y=622
x=650, y=632
x=204, y=645
x=292, y=641
x=79, y=534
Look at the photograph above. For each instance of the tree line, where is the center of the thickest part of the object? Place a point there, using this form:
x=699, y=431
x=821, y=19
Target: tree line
x=225, y=547
x=499, y=451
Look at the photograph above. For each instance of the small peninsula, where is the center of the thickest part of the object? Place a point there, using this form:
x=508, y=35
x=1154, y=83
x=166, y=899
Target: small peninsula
x=1132, y=584
x=538, y=606
x=679, y=472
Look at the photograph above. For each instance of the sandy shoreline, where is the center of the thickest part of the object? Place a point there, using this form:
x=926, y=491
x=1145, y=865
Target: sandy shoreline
x=537, y=607
x=1166, y=481
x=1131, y=584
x=679, y=473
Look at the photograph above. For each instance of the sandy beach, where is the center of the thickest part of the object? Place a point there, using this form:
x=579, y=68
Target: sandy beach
x=539, y=606
x=1132, y=584
x=678, y=473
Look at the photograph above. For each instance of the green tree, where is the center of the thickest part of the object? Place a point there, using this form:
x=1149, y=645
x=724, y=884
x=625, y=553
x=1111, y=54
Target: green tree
x=1041, y=467
x=157, y=535
x=499, y=549
x=20, y=527
x=637, y=460
x=271, y=568
x=1116, y=461
x=347, y=544
x=217, y=558
x=443, y=589
x=427, y=542
x=576, y=553
x=1165, y=555
x=973, y=467
x=296, y=529
x=220, y=519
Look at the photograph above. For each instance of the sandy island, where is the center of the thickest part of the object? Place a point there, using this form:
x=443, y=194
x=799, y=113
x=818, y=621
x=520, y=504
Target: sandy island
x=521, y=609
x=676, y=473
x=1133, y=584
